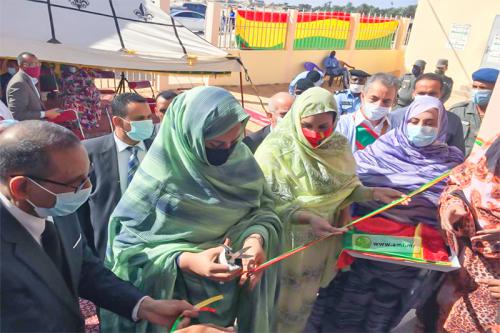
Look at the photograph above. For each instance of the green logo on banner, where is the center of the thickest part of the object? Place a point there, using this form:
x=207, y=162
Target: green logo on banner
x=363, y=242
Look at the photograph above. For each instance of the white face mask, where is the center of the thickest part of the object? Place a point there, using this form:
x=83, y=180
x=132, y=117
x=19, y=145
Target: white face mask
x=278, y=120
x=356, y=88
x=374, y=111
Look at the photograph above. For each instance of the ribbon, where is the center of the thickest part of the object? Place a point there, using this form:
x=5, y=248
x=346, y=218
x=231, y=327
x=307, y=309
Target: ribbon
x=202, y=306
x=375, y=212
x=291, y=252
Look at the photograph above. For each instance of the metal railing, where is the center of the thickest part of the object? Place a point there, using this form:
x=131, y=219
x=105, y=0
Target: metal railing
x=376, y=32
x=112, y=83
x=264, y=29
x=321, y=30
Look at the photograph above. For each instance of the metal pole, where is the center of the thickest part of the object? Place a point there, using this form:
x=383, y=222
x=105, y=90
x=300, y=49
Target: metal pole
x=241, y=90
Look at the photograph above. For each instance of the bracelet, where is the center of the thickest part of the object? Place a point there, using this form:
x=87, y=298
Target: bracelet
x=259, y=238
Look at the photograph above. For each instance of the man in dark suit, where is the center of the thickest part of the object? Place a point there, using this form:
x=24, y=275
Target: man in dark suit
x=431, y=84
x=23, y=97
x=12, y=69
x=279, y=105
x=46, y=263
x=115, y=158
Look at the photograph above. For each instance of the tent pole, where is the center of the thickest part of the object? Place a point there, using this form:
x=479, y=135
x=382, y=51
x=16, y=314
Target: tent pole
x=241, y=90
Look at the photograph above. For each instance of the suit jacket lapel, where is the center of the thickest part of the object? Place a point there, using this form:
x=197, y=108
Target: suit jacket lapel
x=28, y=251
x=111, y=155
x=71, y=241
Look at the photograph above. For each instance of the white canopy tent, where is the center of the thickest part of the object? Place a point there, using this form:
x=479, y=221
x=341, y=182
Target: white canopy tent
x=122, y=34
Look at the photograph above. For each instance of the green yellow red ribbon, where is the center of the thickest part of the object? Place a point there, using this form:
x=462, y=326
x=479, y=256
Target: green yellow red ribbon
x=291, y=252
x=202, y=306
x=375, y=212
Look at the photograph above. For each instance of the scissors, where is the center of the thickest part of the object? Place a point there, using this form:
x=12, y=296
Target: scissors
x=233, y=259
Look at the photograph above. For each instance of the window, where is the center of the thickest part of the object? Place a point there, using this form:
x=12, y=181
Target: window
x=189, y=15
x=184, y=14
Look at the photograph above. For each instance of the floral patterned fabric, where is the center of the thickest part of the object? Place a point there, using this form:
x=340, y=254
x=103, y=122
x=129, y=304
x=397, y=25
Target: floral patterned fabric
x=89, y=313
x=472, y=307
x=79, y=93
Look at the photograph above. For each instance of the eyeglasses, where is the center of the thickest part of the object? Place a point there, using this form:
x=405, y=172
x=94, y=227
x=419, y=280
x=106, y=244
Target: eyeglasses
x=78, y=188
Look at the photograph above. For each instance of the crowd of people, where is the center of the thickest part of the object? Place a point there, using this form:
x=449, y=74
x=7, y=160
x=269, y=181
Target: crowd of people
x=127, y=232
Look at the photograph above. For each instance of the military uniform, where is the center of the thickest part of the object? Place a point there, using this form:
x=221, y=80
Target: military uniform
x=447, y=87
x=471, y=122
x=347, y=102
x=405, y=92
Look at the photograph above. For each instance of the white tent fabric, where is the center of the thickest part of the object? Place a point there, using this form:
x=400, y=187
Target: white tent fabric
x=124, y=34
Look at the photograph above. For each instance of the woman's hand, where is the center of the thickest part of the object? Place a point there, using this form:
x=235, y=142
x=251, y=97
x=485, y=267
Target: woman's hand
x=322, y=228
x=453, y=213
x=490, y=235
x=258, y=256
x=205, y=264
x=493, y=286
x=388, y=195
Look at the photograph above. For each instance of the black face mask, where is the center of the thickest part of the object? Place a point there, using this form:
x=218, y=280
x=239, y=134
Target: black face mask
x=218, y=157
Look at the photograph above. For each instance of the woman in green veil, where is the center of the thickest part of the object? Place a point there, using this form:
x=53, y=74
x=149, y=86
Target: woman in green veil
x=197, y=186
x=312, y=174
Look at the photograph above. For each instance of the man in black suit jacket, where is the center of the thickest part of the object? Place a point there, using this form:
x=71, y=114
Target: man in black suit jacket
x=110, y=157
x=46, y=263
x=5, y=78
x=431, y=84
x=279, y=105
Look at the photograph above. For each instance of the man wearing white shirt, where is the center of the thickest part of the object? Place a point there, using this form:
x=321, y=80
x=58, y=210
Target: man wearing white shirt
x=371, y=121
x=23, y=97
x=46, y=263
x=115, y=158
x=316, y=77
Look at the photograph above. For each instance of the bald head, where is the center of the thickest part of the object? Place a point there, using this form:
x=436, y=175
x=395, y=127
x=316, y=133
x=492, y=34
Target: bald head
x=279, y=105
x=281, y=101
x=25, y=147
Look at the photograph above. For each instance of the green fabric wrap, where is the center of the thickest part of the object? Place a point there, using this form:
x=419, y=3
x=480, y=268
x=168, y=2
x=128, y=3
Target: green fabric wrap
x=178, y=202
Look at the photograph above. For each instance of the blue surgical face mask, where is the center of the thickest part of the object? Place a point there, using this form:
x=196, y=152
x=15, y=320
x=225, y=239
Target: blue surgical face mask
x=141, y=130
x=421, y=136
x=11, y=70
x=481, y=97
x=8, y=122
x=66, y=203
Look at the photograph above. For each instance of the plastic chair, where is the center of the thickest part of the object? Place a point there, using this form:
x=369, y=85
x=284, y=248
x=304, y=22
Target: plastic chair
x=70, y=116
x=133, y=85
x=310, y=66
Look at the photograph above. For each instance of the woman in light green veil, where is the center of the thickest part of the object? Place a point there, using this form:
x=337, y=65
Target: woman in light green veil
x=311, y=171
x=197, y=186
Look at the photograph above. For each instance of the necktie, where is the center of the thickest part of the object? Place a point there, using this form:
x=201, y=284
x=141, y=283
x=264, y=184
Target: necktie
x=133, y=163
x=52, y=245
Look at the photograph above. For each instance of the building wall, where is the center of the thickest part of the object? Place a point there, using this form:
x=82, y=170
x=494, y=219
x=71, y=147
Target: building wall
x=429, y=42
x=281, y=66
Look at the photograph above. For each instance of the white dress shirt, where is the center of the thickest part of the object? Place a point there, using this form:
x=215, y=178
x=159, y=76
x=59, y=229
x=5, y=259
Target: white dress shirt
x=123, y=157
x=4, y=111
x=33, y=224
x=36, y=226
x=359, y=119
